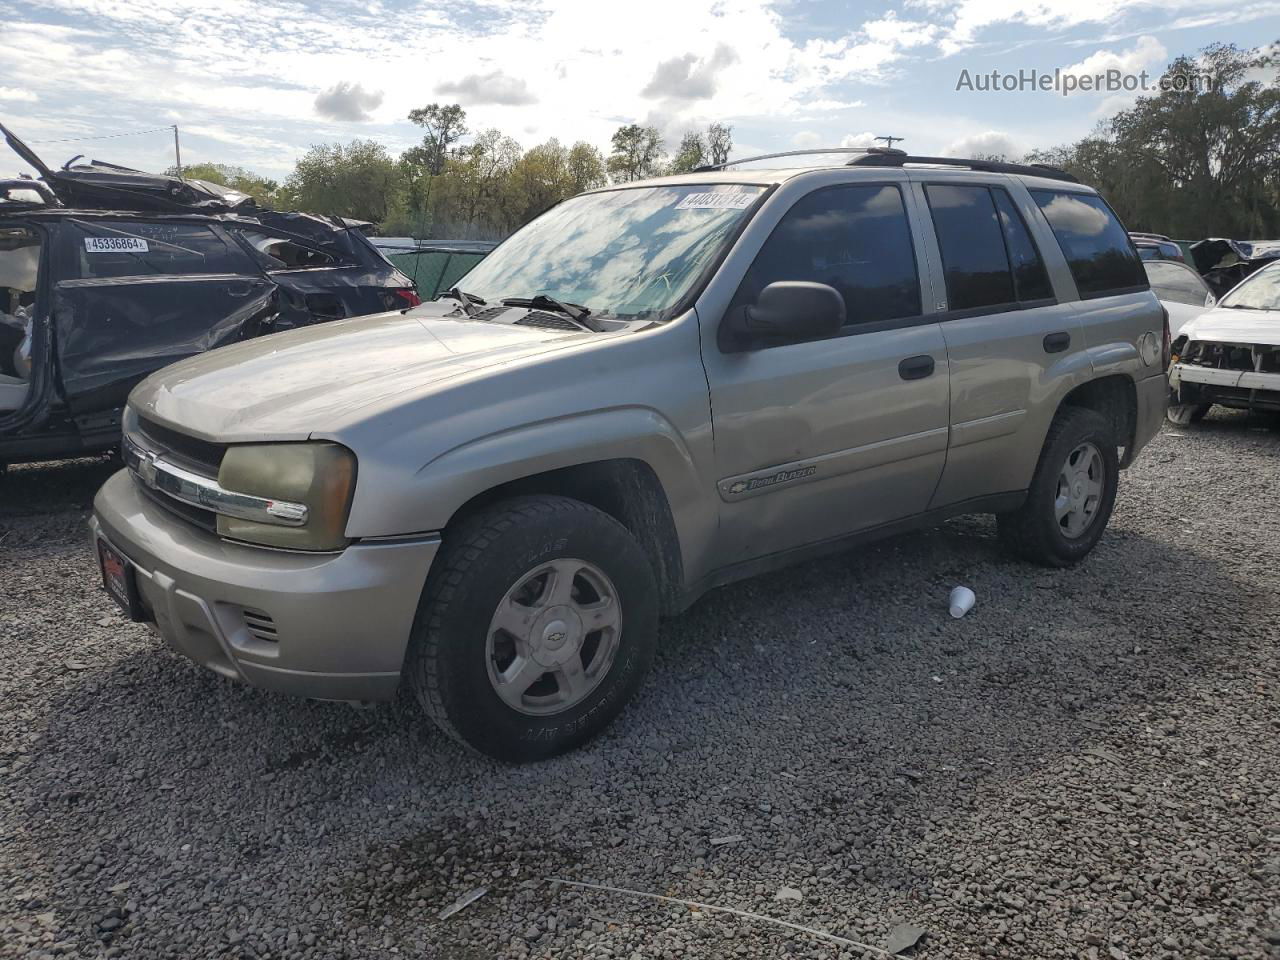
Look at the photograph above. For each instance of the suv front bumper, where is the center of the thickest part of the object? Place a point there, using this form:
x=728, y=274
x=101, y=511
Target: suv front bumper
x=333, y=626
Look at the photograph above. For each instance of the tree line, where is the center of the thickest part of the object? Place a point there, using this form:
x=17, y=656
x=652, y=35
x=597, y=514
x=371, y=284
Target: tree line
x=445, y=189
x=1194, y=160
x=1199, y=159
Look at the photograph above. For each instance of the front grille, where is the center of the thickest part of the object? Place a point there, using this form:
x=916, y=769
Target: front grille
x=192, y=453
x=260, y=625
x=539, y=318
x=202, y=456
x=205, y=519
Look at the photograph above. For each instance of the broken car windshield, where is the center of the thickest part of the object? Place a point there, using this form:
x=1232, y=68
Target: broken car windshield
x=630, y=253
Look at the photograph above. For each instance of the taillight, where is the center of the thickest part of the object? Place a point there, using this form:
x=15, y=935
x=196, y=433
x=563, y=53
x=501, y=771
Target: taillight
x=411, y=299
x=1166, y=344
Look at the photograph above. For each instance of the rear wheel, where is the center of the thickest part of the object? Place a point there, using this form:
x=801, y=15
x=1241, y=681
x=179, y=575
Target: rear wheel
x=538, y=624
x=1071, y=495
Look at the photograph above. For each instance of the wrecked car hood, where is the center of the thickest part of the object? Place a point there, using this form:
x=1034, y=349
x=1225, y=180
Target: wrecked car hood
x=1226, y=325
x=288, y=385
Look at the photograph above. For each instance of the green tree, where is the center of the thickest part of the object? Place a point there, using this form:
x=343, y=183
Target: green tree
x=359, y=180
x=719, y=143
x=1201, y=158
x=445, y=125
x=587, y=169
x=637, y=153
x=691, y=153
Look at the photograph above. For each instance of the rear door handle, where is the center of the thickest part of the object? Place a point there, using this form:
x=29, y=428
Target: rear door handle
x=1056, y=342
x=916, y=368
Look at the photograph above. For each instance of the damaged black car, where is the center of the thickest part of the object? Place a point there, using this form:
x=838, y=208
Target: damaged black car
x=108, y=274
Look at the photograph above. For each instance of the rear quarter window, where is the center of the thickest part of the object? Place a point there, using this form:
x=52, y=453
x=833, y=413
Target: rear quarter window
x=106, y=249
x=1098, y=251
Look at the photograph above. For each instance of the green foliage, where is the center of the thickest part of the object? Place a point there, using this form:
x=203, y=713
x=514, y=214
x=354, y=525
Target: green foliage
x=637, y=153
x=445, y=126
x=691, y=153
x=358, y=180
x=444, y=189
x=1195, y=162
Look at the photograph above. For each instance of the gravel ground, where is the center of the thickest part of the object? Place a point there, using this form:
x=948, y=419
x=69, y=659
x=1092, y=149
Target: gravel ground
x=1086, y=766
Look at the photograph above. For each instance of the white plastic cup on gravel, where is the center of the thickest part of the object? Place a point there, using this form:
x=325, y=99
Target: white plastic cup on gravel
x=961, y=602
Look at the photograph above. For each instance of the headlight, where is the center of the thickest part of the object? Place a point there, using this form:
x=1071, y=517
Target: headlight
x=318, y=477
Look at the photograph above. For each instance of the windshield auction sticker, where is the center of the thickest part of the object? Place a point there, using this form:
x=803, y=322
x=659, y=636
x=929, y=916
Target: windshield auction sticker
x=716, y=201
x=115, y=245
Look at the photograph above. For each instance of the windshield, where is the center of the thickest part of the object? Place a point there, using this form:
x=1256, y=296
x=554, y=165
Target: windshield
x=1261, y=291
x=629, y=253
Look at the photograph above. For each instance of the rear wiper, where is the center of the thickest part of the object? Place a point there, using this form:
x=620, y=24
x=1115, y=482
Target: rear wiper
x=576, y=313
x=470, y=303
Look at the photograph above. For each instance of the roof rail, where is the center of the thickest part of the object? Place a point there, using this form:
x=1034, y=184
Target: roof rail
x=708, y=167
x=893, y=157
x=897, y=158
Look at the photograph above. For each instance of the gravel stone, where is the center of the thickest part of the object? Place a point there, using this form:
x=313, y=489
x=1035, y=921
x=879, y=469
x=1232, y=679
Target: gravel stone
x=1098, y=771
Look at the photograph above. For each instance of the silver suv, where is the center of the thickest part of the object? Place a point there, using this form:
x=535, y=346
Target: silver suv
x=651, y=390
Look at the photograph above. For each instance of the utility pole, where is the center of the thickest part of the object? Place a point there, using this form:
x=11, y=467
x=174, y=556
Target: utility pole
x=888, y=141
x=177, y=152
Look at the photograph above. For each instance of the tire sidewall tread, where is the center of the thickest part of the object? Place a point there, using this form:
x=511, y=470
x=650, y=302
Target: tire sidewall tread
x=1032, y=532
x=483, y=558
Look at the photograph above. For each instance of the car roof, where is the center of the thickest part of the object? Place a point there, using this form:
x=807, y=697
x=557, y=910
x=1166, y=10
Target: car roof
x=868, y=162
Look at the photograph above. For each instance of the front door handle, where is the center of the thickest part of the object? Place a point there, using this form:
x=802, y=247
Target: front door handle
x=916, y=368
x=1056, y=342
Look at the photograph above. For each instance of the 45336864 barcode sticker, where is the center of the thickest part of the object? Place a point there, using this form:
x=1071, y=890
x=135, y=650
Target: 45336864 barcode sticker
x=716, y=201
x=115, y=245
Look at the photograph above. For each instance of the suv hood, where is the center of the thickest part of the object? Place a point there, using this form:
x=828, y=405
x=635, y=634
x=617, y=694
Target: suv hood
x=1226, y=325
x=319, y=379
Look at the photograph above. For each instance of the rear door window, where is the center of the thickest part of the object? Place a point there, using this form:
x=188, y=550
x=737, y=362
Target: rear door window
x=1098, y=251
x=971, y=240
x=280, y=253
x=121, y=248
x=855, y=239
x=1030, y=279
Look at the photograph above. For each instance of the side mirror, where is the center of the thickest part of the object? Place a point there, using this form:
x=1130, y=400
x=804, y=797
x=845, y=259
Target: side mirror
x=789, y=310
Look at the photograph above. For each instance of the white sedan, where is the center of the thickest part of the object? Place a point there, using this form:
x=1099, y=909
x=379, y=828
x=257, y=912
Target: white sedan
x=1231, y=354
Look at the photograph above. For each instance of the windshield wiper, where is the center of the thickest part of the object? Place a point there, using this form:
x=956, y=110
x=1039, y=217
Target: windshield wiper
x=576, y=313
x=470, y=303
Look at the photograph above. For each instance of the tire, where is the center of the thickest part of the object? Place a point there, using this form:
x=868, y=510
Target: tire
x=548, y=566
x=1036, y=531
x=1185, y=414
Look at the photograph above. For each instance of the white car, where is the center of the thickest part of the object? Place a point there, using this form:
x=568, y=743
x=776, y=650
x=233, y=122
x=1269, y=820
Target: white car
x=1231, y=354
x=1181, y=290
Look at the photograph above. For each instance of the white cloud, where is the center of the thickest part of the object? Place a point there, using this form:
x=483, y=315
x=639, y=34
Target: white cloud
x=989, y=143
x=864, y=139
x=494, y=87
x=348, y=101
x=1147, y=53
x=17, y=95
x=806, y=138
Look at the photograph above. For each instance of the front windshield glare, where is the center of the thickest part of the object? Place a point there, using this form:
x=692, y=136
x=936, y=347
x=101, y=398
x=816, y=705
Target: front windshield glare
x=629, y=253
x=1259, y=292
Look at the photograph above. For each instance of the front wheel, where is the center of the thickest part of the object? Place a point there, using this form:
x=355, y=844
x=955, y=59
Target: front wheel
x=538, y=624
x=1071, y=494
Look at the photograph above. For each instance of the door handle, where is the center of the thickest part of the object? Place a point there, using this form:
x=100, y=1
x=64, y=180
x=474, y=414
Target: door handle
x=916, y=368
x=1056, y=342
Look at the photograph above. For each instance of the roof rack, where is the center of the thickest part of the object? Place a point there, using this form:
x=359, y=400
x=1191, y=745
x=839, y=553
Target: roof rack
x=892, y=157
